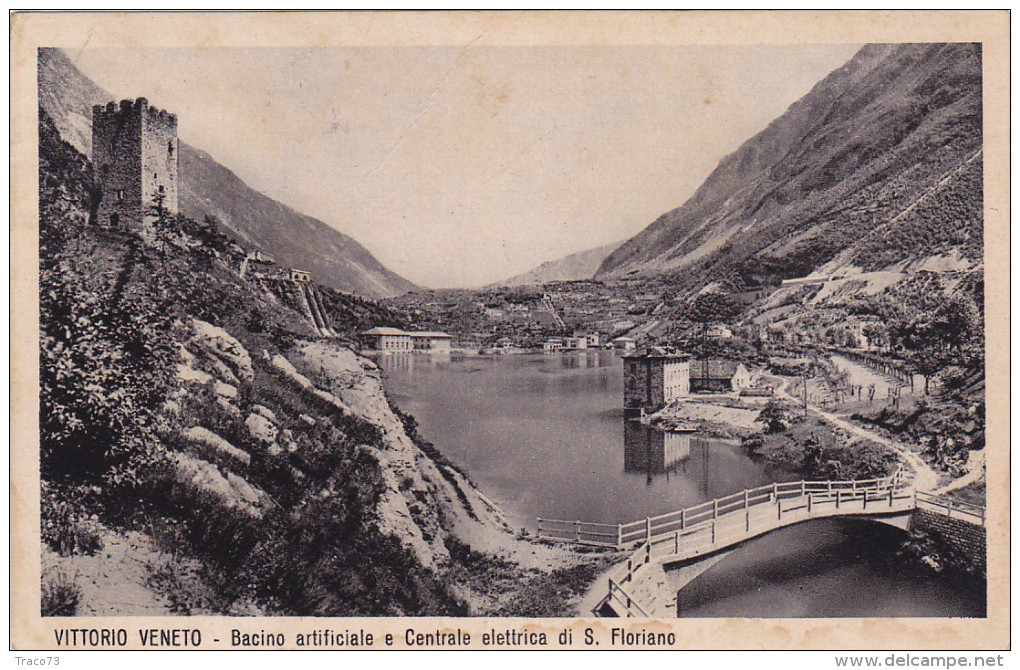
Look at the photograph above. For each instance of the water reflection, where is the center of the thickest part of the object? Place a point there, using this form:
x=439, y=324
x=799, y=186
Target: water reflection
x=544, y=434
x=586, y=359
x=405, y=360
x=656, y=452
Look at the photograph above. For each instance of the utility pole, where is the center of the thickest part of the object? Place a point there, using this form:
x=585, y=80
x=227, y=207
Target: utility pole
x=803, y=378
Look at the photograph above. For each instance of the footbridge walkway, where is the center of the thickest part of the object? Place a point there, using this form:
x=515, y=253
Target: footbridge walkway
x=693, y=536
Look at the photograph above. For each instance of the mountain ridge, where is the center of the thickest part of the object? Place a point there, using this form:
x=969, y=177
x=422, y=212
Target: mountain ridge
x=849, y=156
x=578, y=265
x=209, y=188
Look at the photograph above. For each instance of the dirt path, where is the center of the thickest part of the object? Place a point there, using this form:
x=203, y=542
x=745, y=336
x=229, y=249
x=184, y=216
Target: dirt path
x=926, y=478
x=975, y=471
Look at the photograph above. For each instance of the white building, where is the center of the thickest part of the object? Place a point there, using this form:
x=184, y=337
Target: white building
x=553, y=344
x=382, y=338
x=624, y=343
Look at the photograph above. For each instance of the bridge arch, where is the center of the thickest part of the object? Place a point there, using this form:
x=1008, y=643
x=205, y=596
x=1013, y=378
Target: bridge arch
x=693, y=538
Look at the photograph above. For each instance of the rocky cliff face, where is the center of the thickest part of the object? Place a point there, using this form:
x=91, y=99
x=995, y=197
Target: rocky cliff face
x=208, y=188
x=879, y=165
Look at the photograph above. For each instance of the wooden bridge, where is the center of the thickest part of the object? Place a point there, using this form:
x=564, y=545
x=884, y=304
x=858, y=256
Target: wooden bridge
x=691, y=534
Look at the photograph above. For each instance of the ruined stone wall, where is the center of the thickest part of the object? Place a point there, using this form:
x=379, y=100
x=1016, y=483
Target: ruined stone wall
x=117, y=161
x=967, y=538
x=160, y=157
x=134, y=153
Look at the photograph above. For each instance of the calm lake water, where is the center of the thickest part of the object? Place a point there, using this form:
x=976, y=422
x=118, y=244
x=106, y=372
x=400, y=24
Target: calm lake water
x=544, y=435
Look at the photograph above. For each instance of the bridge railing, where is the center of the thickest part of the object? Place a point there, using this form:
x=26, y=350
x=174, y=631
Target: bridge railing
x=710, y=525
x=625, y=601
x=954, y=509
x=650, y=528
x=580, y=532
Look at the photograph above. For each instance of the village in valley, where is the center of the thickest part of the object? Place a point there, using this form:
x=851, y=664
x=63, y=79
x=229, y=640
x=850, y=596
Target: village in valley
x=806, y=337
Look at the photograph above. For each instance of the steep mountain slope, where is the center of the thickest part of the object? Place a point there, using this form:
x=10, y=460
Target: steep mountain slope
x=203, y=451
x=879, y=165
x=208, y=188
x=580, y=265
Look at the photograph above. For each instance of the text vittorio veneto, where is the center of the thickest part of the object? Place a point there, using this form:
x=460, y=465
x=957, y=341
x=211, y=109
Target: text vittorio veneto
x=328, y=638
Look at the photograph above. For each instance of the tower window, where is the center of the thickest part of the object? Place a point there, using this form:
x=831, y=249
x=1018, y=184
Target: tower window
x=120, y=195
x=170, y=148
x=160, y=188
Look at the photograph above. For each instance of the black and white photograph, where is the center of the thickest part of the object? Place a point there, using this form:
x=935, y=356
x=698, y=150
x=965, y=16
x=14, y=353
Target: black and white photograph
x=667, y=331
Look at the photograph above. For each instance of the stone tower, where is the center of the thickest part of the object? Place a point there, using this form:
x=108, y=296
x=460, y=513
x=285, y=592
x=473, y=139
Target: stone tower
x=135, y=158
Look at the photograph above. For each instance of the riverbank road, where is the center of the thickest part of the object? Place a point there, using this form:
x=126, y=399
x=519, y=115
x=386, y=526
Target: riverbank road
x=925, y=478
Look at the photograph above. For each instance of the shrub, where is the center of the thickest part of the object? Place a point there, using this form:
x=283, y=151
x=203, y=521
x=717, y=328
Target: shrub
x=774, y=416
x=183, y=587
x=60, y=595
x=67, y=529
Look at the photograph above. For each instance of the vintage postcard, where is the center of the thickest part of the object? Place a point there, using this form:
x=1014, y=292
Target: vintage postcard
x=482, y=330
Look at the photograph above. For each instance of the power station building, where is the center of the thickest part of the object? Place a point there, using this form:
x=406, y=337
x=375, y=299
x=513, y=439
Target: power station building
x=382, y=338
x=135, y=155
x=653, y=377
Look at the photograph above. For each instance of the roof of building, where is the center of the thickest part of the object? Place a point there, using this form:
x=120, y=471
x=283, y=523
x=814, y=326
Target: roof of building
x=429, y=333
x=655, y=352
x=384, y=330
x=624, y=339
x=714, y=369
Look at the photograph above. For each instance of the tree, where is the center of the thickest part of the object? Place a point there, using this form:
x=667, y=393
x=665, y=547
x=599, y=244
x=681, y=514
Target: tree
x=943, y=333
x=711, y=306
x=774, y=416
x=162, y=223
x=928, y=362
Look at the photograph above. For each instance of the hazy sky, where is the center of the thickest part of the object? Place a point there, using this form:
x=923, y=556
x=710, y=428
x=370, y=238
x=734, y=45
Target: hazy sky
x=461, y=166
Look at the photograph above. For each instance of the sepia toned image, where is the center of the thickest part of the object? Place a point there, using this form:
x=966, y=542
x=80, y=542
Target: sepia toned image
x=553, y=332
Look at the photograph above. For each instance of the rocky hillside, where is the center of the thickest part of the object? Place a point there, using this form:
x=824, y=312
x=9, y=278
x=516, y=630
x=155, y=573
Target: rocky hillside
x=580, y=265
x=203, y=450
x=878, y=167
x=210, y=189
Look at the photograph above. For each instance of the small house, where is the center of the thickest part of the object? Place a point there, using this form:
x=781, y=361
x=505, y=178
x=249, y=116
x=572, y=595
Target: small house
x=624, y=343
x=552, y=344
x=718, y=332
x=719, y=376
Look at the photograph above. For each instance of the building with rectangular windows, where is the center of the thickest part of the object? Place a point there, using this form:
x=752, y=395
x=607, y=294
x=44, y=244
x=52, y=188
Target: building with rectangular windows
x=382, y=338
x=552, y=344
x=430, y=340
x=653, y=377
